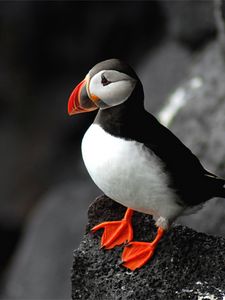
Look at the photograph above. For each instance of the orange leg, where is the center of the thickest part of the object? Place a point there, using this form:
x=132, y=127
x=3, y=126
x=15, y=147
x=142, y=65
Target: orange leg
x=116, y=232
x=136, y=254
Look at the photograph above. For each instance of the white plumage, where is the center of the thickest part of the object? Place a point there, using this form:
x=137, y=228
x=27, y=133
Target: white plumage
x=127, y=172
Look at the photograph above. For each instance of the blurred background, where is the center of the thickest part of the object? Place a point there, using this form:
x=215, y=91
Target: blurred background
x=46, y=48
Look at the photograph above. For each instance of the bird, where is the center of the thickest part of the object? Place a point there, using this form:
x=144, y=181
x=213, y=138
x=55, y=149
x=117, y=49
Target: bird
x=135, y=160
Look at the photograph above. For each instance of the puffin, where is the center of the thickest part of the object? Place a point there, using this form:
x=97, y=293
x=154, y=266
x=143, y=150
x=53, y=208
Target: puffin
x=135, y=160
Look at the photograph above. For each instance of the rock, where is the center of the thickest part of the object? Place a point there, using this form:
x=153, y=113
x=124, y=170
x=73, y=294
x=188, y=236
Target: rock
x=186, y=265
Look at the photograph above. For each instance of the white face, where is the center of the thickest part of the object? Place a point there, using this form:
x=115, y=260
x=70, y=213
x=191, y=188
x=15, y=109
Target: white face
x=112, y=87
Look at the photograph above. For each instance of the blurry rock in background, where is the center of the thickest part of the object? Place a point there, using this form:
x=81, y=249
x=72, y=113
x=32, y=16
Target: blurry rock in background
x=41, y=268
x=46, y=48
x=200, y=124
x=190, y=22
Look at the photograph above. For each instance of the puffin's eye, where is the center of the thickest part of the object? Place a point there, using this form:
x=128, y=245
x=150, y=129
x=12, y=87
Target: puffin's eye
x=105, y=81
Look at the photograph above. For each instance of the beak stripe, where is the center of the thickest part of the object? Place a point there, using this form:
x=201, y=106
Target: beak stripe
x=87, y=78
x=79, y=100
x=91, y=96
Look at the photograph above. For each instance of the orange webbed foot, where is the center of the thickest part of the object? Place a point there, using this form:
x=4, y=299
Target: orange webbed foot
x=116, y=232
x=136, y=254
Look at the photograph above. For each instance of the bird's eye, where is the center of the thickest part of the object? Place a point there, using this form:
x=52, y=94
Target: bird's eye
x=105, y=81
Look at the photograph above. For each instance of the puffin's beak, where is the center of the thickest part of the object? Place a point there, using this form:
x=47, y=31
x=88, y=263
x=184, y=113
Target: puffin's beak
x=79, y=101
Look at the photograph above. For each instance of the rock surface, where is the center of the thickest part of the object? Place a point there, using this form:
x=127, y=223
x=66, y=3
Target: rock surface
x=186, y=265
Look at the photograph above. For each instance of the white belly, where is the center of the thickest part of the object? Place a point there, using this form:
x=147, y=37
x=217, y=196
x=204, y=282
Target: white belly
x=127, y=172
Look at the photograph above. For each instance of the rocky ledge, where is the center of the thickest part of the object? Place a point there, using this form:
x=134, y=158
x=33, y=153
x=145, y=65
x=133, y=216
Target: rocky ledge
x=187, y=264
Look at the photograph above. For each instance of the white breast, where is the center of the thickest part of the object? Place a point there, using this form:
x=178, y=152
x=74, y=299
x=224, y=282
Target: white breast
x=129, y=173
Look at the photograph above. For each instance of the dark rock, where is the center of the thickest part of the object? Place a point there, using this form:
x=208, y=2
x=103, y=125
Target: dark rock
x=186, y=265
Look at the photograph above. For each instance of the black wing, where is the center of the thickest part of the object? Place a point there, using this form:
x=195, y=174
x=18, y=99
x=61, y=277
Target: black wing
x=189, y=178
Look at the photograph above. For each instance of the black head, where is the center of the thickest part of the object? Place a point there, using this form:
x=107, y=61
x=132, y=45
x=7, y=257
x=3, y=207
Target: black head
x=108, y=84
x=113, y=64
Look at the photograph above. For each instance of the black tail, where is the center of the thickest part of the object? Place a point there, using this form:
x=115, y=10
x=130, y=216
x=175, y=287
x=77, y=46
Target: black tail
x=222, y=190
x=215, y=185
x=219, y=187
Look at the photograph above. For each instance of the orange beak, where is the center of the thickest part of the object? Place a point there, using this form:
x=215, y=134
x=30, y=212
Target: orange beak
x=79, y=101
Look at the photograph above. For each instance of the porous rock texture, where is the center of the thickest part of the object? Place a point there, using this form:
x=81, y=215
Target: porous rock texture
x=186, y=264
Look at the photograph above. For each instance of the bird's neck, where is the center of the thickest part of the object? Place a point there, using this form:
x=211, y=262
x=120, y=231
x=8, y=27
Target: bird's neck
x=126, y=119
